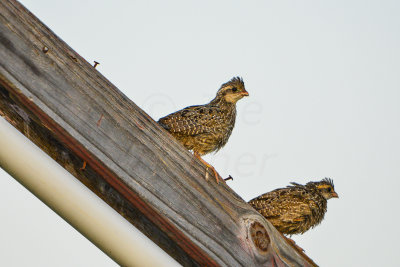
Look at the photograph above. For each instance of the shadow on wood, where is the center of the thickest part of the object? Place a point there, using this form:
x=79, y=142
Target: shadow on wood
x=66, y=107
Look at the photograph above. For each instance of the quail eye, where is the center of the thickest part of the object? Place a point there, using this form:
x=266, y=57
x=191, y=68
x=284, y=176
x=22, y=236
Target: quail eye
x=234, y=89
x=329, y=189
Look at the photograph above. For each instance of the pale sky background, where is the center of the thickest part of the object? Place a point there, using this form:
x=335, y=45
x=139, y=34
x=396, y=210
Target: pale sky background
x=324, y=84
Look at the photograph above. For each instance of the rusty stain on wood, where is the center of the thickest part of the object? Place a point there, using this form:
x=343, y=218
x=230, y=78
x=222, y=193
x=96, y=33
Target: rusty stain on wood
x=83, y=166
x=99, y=121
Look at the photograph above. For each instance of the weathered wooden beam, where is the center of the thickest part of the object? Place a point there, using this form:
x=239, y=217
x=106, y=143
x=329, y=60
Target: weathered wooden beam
x=60, y=102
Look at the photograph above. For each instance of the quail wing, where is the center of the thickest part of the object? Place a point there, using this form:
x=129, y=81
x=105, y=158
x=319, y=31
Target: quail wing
x=193, y=120
x=289, y=205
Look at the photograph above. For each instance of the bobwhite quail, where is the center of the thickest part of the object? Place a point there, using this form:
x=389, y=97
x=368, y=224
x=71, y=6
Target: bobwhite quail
x=206, y=128
x=296, y=208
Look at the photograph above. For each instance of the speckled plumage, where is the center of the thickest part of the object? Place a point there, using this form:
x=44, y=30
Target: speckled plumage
x=207, y=128
x=296, y=208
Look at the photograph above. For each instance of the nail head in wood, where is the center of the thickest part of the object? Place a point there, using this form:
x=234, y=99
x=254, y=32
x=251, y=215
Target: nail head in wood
x=229, y=178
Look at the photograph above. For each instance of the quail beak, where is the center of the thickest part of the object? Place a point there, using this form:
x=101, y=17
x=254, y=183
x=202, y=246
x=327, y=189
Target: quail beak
x=334, y=194
x=245, y=93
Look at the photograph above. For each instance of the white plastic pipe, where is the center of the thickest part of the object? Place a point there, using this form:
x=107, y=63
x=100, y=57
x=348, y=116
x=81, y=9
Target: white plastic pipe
x=75, y=203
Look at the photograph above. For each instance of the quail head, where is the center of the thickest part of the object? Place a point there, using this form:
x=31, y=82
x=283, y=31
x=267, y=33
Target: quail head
x=206, y=128
x=296, y=208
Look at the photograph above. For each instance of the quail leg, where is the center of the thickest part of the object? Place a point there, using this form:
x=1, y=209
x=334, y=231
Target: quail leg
x=208, y=165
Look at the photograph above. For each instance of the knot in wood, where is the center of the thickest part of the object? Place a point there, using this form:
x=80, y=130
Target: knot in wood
x=260, y=237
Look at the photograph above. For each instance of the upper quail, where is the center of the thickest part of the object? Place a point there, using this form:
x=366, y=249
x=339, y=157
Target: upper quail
x=296, y=208
x=206, y=128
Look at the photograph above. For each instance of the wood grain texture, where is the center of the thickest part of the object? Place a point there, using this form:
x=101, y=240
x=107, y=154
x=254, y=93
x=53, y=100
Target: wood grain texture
x=74, y=114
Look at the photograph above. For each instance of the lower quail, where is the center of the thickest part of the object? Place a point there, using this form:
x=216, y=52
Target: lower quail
x=296, y=208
